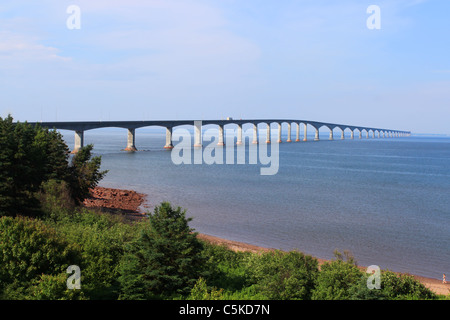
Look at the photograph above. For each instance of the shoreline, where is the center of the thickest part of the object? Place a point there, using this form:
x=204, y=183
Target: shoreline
x=130, y=203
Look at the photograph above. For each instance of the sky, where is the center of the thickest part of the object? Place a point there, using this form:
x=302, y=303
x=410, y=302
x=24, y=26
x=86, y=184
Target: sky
x=210, y=59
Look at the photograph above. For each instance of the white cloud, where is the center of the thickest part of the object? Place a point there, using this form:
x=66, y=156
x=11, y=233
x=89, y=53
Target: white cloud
x=19, y=48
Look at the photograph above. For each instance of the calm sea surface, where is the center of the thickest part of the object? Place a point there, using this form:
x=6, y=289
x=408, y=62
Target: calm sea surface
x=385, y=200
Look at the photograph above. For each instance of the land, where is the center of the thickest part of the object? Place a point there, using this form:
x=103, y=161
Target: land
x=132, y=204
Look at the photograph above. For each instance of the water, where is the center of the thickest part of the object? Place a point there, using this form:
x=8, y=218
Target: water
x=385, y=200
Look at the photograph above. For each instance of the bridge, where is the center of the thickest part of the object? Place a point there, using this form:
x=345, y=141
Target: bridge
x=80, y=126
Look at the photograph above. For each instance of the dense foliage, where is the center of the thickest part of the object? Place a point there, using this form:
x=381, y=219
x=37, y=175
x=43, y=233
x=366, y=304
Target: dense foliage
x=31, y=156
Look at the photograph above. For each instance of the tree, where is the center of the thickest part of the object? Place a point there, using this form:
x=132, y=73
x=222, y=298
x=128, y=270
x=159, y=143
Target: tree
x=166, y=258
x=85, y=173
x=18, y=172
x=32, y=155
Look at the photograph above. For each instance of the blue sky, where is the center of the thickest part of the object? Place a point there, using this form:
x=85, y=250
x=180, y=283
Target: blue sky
x=210, y=59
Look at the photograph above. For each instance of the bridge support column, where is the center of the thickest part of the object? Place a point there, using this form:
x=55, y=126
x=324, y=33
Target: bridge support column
x=169, y=144
x=239, y=134
x=297, y=133
x=79, y=141
x=360, y=134
x=279, y=133
x=131, y=140
x=305, y=132
x=220, y=142
x=367, y=134
x=342, y=135
x=331, y=134
x=289, y=133
x=197, y=134
x=352, y=135
x=255, y=134
x=316, y=137
x=268, y=133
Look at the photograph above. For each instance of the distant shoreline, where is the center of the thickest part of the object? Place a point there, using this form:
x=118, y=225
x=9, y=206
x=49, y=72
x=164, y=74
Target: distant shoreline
x=130, y=202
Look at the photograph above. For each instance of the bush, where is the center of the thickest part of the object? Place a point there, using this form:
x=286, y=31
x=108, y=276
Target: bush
x=283, y=275
x=225, y=268
x=53, y=287
x=336, y=280
x=101, y=239
x=56, y=199
x=200, y=291
x=402, y=286
x=29, y=248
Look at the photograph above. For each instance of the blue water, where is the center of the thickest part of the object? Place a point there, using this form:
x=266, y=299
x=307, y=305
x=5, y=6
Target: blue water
x=387, y=201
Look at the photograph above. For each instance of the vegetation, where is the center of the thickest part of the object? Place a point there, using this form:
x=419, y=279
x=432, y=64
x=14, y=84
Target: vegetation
x=44, y=230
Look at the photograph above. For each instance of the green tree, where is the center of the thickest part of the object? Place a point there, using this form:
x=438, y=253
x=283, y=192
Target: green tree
x=85, y=173
x=30, y=156
x=282, y=275
x=166, y=258
x=19, y=174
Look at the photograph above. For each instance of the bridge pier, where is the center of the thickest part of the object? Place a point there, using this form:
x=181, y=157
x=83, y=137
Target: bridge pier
x=255, y=134
x=169, y=144
x=289, y=133
x=197, y=134
x=279, y=133
x=239, y=134
x=305, y=132
x=79, y=141
x=297, y=133
x=220, y=142
x=331, y=134
x=342, y=135
x=268, y=133
x=360, y=134
x=316, y=137
x=367, y=134
x=131, y=147
x=352, y=135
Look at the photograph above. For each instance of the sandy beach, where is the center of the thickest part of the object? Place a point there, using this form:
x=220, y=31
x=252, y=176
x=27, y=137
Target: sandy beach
x=132, y=203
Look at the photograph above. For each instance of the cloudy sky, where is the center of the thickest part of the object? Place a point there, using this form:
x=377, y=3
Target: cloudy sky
x=210, y=59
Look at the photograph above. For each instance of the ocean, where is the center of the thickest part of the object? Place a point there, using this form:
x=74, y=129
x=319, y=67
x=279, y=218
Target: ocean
x=387, y=201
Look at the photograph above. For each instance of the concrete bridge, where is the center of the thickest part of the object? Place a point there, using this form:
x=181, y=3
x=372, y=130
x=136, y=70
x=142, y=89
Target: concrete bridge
x=80, y=126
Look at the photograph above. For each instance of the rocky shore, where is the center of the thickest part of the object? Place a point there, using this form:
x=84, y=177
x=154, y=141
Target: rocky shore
x=132, y=204
x=111, y=200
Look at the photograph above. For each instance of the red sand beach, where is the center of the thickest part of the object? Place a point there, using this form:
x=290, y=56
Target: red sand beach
x=131, y=203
